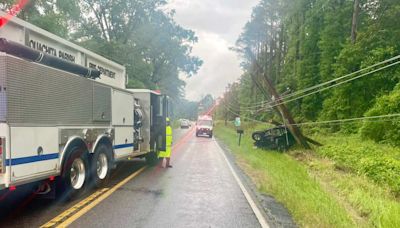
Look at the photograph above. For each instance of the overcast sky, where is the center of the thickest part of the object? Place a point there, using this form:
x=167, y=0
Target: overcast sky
x=217, y=23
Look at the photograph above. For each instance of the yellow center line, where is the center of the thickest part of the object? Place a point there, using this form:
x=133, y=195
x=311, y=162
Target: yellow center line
x=81, y=208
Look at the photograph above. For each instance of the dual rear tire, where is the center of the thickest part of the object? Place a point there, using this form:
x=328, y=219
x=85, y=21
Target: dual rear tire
x=101, y=166
x=81, y=171
x=74, y=174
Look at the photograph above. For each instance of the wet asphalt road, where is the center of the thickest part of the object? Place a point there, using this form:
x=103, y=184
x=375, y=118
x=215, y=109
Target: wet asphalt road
x=199, y=191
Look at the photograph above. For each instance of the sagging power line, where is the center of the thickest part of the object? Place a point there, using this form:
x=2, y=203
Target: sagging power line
x=283, y=100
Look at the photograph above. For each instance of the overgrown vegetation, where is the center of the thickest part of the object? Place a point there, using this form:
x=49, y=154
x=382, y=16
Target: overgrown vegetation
x=321, y=192
x=384, y=131
x=299, y=44
x=377, y=162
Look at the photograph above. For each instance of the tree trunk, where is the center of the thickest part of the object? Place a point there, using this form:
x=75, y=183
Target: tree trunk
x=354, y=24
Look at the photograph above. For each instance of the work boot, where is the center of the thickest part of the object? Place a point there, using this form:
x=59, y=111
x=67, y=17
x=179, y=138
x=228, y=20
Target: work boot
x=167, y=165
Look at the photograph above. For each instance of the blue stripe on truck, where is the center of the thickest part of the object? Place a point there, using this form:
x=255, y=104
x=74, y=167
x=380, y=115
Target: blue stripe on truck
x=46, y=157
x=116, y=147
x=25, y=160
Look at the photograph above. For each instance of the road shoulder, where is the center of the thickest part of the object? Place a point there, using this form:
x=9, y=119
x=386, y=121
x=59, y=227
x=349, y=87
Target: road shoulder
x=274, y=212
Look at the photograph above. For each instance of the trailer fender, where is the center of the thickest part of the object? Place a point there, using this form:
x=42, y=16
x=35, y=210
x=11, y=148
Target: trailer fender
x=106, y=140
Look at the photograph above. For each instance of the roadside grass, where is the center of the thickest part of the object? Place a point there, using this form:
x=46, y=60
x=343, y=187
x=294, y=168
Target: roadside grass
x=366, y=174
x=368, y=204
x=288, y=181
x=378, y=162
x=316, y=190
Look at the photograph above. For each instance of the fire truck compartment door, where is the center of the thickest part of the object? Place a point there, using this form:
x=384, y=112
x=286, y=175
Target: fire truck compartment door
x=34, y=152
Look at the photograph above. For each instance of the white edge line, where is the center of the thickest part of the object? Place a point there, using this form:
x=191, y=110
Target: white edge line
x=246, y=194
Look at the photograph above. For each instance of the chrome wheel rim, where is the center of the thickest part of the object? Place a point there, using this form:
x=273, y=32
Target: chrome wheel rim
x=102, y=166
x=78, y=173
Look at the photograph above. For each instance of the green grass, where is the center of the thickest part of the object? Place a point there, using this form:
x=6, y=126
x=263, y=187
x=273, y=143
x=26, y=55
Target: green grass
x=289, y=182
x=315, y=191
x=366, y=174
x=378, y=162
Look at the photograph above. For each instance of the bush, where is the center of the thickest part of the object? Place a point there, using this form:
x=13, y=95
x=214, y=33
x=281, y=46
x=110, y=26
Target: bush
x=383, y=170
x=384, y=130
x=380, y=163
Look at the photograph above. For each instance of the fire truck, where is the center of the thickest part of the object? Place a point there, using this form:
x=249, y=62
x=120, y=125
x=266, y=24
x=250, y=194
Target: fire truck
x=66, y=116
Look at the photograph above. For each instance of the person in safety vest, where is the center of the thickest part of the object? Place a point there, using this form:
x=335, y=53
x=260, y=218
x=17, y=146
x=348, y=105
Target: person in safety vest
x=167, y=153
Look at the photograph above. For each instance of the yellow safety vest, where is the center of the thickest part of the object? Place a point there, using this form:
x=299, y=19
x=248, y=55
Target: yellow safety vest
x=168, y=140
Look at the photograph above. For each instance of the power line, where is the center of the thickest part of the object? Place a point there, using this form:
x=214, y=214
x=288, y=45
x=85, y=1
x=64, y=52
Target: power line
x=283, y=98
x=320, y=87
x=335, y=85
x=380, y=118
x=249, y=109
x=250, y=105
x=251, y=119
x=335, y=80
x=350, y=120
x=340, y=121
x=340, y=78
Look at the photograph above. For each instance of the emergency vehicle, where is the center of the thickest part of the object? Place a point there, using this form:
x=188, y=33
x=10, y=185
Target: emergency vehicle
x=66, y=114
x=204, y=126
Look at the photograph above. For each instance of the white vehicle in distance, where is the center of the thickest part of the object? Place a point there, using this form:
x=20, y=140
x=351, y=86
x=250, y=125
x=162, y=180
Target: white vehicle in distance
x=204, y=126
x=185, y=123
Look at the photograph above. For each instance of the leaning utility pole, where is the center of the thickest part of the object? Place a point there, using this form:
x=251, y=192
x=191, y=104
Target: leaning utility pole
x=282, y=109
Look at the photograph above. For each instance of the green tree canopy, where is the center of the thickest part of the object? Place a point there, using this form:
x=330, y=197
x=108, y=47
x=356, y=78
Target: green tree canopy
x=299, y=44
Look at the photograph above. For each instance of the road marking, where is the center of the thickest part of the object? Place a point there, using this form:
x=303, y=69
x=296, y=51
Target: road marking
x=72, y=214
x=81, y=208
x=246, y=194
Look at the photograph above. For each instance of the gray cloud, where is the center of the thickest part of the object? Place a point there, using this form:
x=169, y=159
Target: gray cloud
x=218, y=23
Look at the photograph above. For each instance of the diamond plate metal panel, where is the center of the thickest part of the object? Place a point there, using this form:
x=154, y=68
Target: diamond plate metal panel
x=101, y=103
x=3, y=87
x=43, y=95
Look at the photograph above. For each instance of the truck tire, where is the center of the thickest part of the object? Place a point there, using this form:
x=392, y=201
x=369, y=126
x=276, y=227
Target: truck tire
x=210, y=135
x=257, y=136
x=100, y=167
x=152, y=158
x=74, y=174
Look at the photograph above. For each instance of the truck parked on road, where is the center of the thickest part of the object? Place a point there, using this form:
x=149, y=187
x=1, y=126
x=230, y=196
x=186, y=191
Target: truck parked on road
x=66, y=116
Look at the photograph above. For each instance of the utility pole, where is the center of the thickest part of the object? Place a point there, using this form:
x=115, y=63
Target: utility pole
x=286, y=115
x=282, y=109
